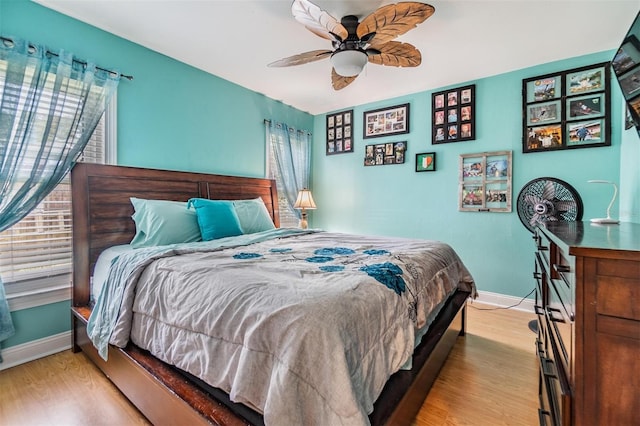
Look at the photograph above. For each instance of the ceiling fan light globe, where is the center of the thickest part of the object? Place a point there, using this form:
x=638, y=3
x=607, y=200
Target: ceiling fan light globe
x=349, y=63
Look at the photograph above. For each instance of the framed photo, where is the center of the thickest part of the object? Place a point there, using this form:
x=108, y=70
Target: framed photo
x=628, y=56
x=581, y=107
x=385, y=153
x=339, y=130
x=630, y=83
x=544, y=138
x=453, y=115
x=569, y=109
x=586, y=80
x=426, y=162
x=544, y=112
x=485, y=182
x=585, y=132
x=543, y=88
x=386, y=121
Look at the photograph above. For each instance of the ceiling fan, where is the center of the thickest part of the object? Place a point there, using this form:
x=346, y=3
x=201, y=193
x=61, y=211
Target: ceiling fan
x=356, y=43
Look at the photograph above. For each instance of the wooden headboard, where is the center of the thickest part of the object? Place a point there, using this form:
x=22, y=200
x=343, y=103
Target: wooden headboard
x=102, y=209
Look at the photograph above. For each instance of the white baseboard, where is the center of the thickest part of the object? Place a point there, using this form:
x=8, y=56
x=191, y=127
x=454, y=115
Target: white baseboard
x=502, y=300
x=19, y=354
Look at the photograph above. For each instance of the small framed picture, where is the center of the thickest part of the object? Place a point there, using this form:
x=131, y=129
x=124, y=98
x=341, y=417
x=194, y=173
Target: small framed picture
x=543, y=112
x=426, y=162
x=630, y=83
x=544, y=138
x=338, y=132
x=628, y=56
x=581, y=107
x=453, y=109
x=584, y=81
x=544, y=88
x=485, y=182
x=585, y=132
x=387, y=153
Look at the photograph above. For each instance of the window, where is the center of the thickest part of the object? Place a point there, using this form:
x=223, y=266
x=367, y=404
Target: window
x=36, y=252
x=288, y=217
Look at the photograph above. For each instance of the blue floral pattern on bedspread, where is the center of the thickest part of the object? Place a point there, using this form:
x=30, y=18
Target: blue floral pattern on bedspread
x=386, y=273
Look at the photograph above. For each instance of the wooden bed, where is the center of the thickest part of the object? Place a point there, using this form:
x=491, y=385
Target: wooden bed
x=165, y=395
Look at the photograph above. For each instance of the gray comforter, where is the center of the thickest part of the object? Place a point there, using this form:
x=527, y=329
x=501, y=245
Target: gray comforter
x=305, y=327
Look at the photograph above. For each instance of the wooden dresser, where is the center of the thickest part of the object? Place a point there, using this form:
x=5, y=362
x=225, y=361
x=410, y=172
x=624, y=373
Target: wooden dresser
x=588, y=308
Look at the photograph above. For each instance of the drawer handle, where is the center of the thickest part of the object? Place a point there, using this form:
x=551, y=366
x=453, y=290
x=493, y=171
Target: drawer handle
x=561, y=268
x=552, y=317
x=542, y=414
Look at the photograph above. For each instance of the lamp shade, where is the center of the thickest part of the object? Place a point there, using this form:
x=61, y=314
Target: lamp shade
x=304, y=200
x=349, y=63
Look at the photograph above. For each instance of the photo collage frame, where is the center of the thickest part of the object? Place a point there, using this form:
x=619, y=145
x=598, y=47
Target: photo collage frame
x=454, y=115
x=385, y=153
x=626, y=66
x=485, y=182
x=568, y=109
x=339, y=132
x=386, y=121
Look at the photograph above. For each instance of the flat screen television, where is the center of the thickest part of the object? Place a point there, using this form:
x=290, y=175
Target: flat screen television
x=626, y=68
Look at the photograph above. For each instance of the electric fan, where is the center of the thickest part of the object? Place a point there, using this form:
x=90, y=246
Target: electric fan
x=548, y=199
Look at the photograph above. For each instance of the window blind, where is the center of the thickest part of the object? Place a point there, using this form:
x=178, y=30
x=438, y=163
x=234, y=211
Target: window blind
x=39, y=246
x=288, y=218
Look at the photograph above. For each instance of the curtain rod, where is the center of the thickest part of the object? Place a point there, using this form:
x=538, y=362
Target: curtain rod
x=78, y=61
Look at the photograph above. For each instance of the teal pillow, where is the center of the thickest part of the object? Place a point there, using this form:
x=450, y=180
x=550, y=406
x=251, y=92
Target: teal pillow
x=216, y=218
x=162, y=222
x=253, y=215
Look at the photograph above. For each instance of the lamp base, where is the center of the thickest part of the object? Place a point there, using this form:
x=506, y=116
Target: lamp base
x=605, y=221
x=303, y=221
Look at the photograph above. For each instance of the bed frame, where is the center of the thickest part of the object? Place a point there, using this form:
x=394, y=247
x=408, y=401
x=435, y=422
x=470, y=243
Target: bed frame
x=164, y=394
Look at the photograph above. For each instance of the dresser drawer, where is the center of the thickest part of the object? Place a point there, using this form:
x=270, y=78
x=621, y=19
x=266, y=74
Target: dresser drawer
x=617, y=284
x=555, y=397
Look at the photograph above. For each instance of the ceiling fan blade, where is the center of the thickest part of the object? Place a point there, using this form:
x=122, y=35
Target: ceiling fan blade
x=317, y=20
x=388, y=22
x=549, y=191
x=396, y=54
x=339, y=82
x=302, y=58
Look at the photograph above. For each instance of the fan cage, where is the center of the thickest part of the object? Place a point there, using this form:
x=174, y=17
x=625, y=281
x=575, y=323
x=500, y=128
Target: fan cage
x=548, y=199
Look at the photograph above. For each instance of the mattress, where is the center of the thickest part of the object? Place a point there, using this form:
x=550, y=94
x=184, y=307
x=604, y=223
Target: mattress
x=305, y=327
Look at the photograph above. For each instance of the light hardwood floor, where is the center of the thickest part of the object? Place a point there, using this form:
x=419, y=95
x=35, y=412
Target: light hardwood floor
x=490, y=378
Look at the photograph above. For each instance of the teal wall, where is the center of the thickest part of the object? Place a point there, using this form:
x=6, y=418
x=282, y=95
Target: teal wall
x=497, y=248
x=171, y=116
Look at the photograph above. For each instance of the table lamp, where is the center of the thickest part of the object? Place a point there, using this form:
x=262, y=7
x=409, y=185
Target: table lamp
x=606, y=220
x=304, y=202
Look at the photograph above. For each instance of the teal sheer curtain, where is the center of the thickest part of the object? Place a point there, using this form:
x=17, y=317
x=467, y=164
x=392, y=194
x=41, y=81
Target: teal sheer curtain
x=292, y=150
x=50, y=104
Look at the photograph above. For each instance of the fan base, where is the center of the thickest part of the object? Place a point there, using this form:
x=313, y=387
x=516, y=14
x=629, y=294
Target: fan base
x=605, y=221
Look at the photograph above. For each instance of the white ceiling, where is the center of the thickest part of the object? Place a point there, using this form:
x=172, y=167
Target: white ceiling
x=464, y=40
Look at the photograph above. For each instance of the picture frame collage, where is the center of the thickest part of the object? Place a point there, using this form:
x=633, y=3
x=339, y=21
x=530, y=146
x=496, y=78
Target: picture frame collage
x=485, y=182
x=339, y=132
x=626, y=67
x=385, y=153
x=568, y=109
x=386, y=121
x=454, y=115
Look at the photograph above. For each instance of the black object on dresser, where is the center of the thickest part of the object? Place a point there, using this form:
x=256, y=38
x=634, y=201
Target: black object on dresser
x=588, y=308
